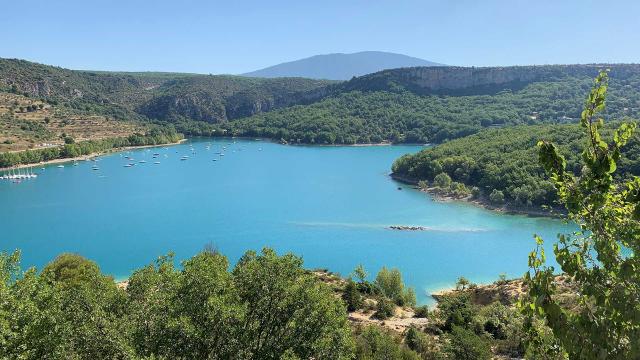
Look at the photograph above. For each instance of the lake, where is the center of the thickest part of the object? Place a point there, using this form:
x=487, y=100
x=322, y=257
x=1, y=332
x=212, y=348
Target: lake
x=330, y=205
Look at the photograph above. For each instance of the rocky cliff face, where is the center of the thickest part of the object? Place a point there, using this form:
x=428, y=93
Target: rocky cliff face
x=472, y=80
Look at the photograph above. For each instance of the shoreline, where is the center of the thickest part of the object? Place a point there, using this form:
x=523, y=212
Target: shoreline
x=506, y=209
x=88, y=156
x=266, y=139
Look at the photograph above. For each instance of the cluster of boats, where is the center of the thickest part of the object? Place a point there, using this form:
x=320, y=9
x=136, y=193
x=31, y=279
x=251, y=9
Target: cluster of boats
x=17, y=175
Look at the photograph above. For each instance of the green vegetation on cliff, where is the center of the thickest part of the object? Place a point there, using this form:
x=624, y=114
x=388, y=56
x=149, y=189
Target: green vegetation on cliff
x=501, y=165
x=428, y=104
x=155, y=136
x=387, y=107
x=152, y=96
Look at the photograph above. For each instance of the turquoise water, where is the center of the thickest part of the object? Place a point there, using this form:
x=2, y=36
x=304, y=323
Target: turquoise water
x=330, y=205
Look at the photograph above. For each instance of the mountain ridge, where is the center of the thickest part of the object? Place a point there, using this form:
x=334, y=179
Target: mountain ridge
x=340, y=66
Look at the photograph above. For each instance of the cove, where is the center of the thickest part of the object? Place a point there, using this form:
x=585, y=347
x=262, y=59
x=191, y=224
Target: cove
x=330, y=205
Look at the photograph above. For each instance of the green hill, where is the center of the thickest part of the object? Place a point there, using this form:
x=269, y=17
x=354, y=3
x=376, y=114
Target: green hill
x=436, y=104
x=163, y=96
x=503, y=162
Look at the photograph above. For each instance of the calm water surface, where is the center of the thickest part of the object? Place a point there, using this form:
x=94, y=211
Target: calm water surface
x=330, y=205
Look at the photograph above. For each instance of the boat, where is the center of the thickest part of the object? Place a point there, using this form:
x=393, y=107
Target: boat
x=156, y=162
x=215, y=159
x=60, y=166
x=142, y=162
x=128, y=165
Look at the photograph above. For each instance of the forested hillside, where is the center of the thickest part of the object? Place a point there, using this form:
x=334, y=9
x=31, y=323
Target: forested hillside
x=500, y=166
x=439, y=104
x=411, y=105
x=164, y=96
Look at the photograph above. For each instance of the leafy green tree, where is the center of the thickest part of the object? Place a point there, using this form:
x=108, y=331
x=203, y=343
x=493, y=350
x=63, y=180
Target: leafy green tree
x=442, y=181
x=464, y=344
x=360, y=273
x=385, y=309
x=352, y=296
x=70, y=310
x=420, y=343
x=496, y=197
x=374, y=343
x=456, y=310
x=288, y=308
x=391, y=285
x=601, y=258
x=462, y=283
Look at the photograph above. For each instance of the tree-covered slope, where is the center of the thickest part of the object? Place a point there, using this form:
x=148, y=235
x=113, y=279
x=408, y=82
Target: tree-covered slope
x=215, y=99
x=504, y=162
x=421, y=104
x=439, y=104
x=163, y=96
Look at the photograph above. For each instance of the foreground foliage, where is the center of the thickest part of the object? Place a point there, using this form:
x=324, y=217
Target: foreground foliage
x=602, y=257
x=265, y=308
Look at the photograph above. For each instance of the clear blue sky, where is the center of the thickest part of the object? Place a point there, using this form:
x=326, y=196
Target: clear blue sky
x=236, y=36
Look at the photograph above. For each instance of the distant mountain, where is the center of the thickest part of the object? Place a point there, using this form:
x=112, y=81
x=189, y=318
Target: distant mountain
x=340, y=66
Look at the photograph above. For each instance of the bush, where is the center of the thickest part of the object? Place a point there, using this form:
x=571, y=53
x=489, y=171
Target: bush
x=442, y=181
x=373, y=343
x=496, y=197
x=466, y=345
x=422, y=311
x=459, y=190
x=351, y=296
x=391, y=285
x=456, y=310
x=385, y=309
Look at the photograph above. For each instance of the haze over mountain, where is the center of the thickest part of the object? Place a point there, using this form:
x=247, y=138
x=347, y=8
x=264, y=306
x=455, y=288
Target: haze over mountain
x=341, y=66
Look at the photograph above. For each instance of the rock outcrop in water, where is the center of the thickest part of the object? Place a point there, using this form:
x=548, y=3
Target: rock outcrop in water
x=407, y=228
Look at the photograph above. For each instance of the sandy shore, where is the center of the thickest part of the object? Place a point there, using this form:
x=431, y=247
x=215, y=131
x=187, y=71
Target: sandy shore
x=86, y=157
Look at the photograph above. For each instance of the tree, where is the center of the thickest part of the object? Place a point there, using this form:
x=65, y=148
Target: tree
x=70, y=310
x=360, y=273
x=462, y=283
x=496, y=197
x=384, y=309
x=442, y=181
x=464, y=344
x=288, y=309
x=374, y=343
x=391, y=285
x=602, y=258
x=351, y=296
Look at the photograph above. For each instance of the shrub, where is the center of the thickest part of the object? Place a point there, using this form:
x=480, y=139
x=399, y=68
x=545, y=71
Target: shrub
x=422, y=311
x=442, y=181
x=391, y=285
x=466, y=345
x=496, y=197
x=351, y=296
x=374, y=343
x=385, y=309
